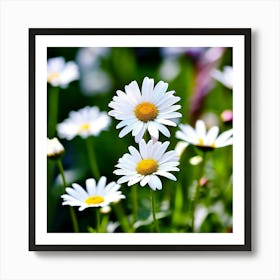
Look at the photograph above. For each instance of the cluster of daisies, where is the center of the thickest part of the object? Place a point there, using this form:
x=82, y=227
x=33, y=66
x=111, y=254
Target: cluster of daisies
x=146, y=113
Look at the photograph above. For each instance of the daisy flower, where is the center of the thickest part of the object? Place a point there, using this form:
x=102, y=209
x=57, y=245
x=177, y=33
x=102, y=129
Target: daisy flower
x=54, y=148
x=85, y=122
x=205, y=140
x=150, y=109
x=96, y=194
x=147, y=164
x=61, y=73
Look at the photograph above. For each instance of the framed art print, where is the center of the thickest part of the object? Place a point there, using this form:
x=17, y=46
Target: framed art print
x=140, y=139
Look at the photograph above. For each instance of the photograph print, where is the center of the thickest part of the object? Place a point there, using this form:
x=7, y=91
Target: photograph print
x=139, y=139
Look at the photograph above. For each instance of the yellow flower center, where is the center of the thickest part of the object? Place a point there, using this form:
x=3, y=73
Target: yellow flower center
x=95, y=199
x=200, y=142
x=146, y=111
x=84, y=127
x=52, y=76
x=146, y=166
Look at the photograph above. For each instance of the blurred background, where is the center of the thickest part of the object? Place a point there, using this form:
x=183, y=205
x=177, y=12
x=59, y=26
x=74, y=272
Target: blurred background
x=202, y=77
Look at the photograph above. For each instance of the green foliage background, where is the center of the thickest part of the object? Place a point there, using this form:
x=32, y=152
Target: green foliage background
x=174, y=202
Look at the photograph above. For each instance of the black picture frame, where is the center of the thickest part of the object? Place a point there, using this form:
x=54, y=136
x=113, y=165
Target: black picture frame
x=246, y=33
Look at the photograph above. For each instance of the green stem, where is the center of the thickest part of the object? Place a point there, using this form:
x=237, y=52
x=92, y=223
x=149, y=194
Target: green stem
x=154, y=211
x=134, y=192
x=178, y=205
x=92, y=158
x=51, y=199
x=196, y=194
x=74, y=219
x=97, y=220
x=53, y=110
x=104, y=222
x=72, y=211
x=61, y=170
x=124, y=223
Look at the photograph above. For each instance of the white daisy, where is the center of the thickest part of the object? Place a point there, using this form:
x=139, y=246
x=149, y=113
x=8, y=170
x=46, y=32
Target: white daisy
x=54, y=148
x=96, y=194
x=205, y=140
x=147, y=164
x=61, y=73
x=150, y=109
x=225, y=77
x=85, y=122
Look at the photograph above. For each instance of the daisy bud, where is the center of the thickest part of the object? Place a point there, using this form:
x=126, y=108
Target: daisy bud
x=196, y=160
x=203, y=181
x=54, y=148
x=227, y=116
x=105, y=209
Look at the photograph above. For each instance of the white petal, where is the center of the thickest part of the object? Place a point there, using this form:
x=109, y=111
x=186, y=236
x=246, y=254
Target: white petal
x=91, y=186
x=167, y=167
x=67, y=197
x=212, y=135
x=143, y=149
x=172, y=115
x=133, y=91
x=55, y=64
x=101, y=185
x=83, y=207
x=137, y=128
x=129, y=166
x=166, y=122
x=83, y=194
x=167, y=100
x=126, y=122
x=124, y=172
x=227, y=142
x=147, y=88
x=170, y=155
x=163, y=129
x=169, y=109
x=160, y=87
x=180, y=135
x=224, y=137
x=135, y=180
x=111, y=188
x=161, y=151
x=154, y=148
x=70, y=203
x=153, y=130
x=166, y=174
x=155, y=182
x=124, y=179
x=74, y=193
x=126, y=130
x=134, y=152
x=189, y=132
x=200, y=129
x=124, y=97
x=145, y=180
x=140, y=135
